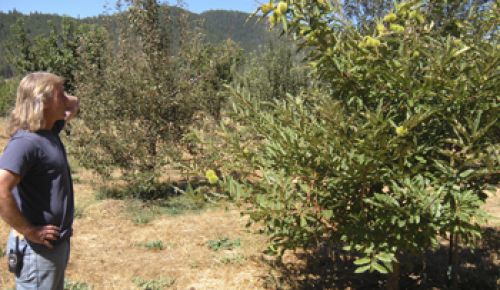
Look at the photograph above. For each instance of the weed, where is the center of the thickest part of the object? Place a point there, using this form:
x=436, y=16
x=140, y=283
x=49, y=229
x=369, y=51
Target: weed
x=73, y=285
x=156, y=284
x=223, y=244
x=152, y=245
x=234, y=259
x=142, y=219
x=141, y=213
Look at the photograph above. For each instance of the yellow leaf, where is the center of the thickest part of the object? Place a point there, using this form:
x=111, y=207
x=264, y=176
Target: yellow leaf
x=396, y=28
x=211, y=176
x=391, y=17
x=265, y=8
x=371, y=42
x=380, y=28
x=281, y=8
x=401, y=131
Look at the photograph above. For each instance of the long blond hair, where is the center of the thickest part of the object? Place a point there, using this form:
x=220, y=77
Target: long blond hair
x=33, y=91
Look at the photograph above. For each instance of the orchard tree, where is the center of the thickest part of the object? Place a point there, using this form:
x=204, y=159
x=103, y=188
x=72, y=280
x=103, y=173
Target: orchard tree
x=273, y=71
x=140, y=95
x=396, y=151
x=55, y=52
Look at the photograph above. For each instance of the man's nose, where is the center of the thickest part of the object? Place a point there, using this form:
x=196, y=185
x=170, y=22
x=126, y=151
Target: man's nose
x=66, y=99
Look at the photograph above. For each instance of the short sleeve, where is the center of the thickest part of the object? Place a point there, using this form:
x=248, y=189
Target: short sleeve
x=18, y=156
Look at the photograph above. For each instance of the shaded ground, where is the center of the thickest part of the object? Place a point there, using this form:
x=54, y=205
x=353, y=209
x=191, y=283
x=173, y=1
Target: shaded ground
x=330, y=267
x=324, y=269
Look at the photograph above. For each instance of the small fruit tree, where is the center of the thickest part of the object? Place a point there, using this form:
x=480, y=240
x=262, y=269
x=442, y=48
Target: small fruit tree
x=141, y=93
x=395, y=152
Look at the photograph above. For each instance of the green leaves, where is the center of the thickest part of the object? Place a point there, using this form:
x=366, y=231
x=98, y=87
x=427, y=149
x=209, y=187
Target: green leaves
x=223, y=243
x=148, y=93
x=327, y=214
x=396, y=144
x=381, y=262
x=57, y=52
x=362, y=269
x=362, y=261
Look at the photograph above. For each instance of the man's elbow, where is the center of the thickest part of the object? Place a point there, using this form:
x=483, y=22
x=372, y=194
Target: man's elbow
x=8, y=181
x=5, y=192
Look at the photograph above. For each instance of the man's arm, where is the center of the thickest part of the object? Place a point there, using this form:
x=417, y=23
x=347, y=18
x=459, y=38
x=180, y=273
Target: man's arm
x=12, y=216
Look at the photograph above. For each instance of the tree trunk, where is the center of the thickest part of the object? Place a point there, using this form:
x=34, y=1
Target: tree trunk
x=152, y=149
x=453, y=262
x=393, y=279
x=424, y=270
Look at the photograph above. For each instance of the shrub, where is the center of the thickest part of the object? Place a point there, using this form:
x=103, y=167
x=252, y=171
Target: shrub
x=394, y=152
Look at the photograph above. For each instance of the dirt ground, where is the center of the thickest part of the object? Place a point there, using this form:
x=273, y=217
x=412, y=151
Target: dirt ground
x=108, y=251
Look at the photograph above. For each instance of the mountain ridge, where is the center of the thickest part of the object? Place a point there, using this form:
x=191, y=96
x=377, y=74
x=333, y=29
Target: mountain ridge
x=217, y=25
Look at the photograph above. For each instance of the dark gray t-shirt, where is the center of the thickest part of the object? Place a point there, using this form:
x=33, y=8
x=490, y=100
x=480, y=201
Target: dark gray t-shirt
x=45, y=193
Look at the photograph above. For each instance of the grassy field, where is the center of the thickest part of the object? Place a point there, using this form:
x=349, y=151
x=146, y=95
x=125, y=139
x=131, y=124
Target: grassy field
x=120, y=244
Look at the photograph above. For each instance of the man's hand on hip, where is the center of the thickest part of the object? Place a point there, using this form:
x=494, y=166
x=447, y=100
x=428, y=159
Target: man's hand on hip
x=43, y=235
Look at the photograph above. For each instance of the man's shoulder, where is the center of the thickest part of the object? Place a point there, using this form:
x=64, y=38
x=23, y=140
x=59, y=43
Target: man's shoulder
x=25, y=137
x=25, y=140
x=20, y=153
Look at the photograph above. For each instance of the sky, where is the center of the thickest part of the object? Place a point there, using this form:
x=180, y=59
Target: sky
x=86, y=8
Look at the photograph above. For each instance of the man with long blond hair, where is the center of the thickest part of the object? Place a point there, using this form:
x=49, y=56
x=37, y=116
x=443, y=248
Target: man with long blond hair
x=36, y=190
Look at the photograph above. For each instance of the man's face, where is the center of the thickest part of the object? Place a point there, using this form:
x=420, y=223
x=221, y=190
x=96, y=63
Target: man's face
x=55, y=107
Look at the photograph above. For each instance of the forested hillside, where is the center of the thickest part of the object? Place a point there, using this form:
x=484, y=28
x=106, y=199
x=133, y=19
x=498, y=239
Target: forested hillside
x=36, y=24
x=220, y=25
x=217, y=25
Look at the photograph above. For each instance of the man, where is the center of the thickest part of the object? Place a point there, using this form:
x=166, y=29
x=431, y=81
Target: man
x=36, y=190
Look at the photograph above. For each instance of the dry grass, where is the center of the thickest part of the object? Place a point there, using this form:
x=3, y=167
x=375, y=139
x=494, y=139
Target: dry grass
x=105, y=252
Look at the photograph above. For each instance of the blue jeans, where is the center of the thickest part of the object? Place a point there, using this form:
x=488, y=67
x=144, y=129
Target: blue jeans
x=43, y=268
